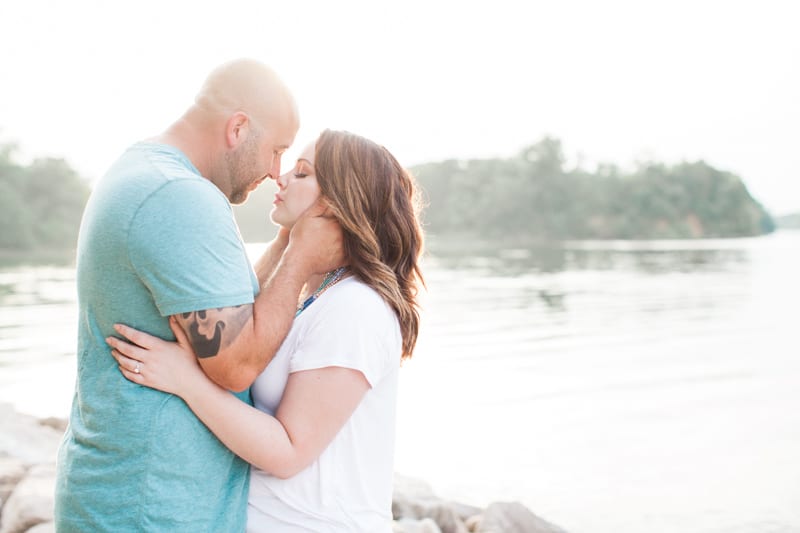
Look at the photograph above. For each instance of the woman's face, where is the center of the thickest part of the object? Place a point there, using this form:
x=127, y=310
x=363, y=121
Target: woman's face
x=297, y=190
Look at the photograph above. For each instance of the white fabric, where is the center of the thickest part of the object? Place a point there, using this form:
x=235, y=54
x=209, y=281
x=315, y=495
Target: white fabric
x=349, y=487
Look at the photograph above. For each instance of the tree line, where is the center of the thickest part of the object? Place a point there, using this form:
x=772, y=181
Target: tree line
x=40, y=203
x=531, y=196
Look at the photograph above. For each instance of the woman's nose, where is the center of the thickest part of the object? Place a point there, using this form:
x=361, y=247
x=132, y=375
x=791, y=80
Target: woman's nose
x=281, y=180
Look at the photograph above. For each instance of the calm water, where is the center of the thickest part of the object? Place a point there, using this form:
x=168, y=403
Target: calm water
x=611, y=387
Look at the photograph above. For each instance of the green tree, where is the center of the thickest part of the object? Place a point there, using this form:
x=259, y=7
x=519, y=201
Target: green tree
x=40, y=204
x=534, y=197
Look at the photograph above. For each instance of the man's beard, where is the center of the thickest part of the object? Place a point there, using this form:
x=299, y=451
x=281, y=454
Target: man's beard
x=243, y=171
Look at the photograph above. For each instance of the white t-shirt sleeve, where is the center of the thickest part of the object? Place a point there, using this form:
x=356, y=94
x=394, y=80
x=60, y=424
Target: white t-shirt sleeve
x=352, y=327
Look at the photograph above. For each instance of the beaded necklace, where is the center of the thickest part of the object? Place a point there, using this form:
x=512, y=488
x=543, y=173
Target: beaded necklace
x=331, y=279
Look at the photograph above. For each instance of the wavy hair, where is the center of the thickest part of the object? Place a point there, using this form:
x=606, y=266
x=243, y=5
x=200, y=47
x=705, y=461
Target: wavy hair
x=376, y=203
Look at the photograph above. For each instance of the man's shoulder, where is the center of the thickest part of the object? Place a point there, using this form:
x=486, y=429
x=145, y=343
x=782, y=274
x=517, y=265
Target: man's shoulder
x=162, y=175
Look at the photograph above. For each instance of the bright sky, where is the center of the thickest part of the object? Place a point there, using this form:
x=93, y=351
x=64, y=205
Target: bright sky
x=617, y=81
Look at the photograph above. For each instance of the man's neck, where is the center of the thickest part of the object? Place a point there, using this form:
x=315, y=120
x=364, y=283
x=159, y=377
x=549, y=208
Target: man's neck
x=190, y=139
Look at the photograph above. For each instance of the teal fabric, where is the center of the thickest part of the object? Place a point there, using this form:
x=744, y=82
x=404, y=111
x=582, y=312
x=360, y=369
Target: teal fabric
x=156, y=239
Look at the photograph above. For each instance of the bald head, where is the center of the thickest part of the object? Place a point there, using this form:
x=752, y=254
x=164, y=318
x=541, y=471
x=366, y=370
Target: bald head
x=243, y=119
x=251, y=87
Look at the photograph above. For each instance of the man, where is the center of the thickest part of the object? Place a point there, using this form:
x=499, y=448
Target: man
x=158, y=239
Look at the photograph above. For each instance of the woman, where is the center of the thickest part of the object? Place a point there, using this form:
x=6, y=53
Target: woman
x=321, y=435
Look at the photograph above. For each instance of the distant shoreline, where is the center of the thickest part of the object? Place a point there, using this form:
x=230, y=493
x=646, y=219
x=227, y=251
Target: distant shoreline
x=36, y=256
x=441, y=242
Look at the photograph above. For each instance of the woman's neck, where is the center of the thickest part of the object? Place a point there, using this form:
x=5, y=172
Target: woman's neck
x=314, y=282
x=311, y=285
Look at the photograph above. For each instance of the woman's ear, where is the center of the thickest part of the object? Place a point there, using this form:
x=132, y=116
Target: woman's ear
x=328, y=211
x=320, y=208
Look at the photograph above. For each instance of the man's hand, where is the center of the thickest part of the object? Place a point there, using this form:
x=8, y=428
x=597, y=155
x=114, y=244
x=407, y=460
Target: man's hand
x=316, y=241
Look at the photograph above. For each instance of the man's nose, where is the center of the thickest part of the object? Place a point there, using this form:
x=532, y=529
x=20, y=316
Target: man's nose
x=275, y=171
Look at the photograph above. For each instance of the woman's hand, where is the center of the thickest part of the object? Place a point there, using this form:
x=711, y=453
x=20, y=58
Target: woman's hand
x=167, y=366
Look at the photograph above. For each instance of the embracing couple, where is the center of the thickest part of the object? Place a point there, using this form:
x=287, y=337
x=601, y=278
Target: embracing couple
x=214, y=396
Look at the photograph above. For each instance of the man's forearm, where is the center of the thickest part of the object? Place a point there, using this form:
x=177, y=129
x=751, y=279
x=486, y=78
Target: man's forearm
x=246, y=352
x=268, y=262
x=276, y=304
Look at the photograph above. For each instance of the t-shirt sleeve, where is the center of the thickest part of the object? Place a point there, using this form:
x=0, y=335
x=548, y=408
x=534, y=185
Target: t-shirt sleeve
x=185, y=246
x=352, y=332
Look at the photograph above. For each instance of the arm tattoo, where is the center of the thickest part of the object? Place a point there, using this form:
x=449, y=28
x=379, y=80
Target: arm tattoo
x=210, y=330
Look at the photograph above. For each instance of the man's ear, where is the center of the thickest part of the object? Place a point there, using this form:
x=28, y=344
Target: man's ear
x=237, y=128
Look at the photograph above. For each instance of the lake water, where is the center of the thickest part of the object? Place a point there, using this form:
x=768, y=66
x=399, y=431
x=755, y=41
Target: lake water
x=612, y=387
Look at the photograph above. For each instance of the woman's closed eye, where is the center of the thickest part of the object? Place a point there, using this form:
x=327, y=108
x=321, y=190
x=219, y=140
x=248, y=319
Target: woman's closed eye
x=300, y=175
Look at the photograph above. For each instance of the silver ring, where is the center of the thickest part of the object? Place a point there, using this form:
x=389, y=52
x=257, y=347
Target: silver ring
x=136, y=369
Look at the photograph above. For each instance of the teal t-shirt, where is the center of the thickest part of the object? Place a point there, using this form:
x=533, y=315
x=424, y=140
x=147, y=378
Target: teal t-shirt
x=156, y=239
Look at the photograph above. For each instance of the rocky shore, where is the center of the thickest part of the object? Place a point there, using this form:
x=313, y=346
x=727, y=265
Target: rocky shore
x=28, y=448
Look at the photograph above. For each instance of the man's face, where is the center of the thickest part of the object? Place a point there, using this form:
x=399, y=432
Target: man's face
x=256, y=159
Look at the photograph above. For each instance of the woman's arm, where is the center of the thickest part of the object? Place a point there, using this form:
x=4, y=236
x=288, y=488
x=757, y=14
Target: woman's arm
x=315, y=404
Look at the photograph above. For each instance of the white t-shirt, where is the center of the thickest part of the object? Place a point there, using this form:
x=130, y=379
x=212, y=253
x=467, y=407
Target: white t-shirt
x=349, y=487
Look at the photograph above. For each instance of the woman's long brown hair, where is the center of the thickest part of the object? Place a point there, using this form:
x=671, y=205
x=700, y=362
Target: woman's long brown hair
x=375, y=201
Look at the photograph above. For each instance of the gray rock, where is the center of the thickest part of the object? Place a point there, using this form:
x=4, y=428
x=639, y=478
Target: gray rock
x=28, y=449
x=414, y=501
x=444, y=516
x=464, y=511
x=59, y=424
x=408, y=488
x=441, y=512
x=513, y=517
x=44, y=527
x=410, y=525
x=31, y=502
x=473, y=522
x=24, y=438
x=11, y=471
